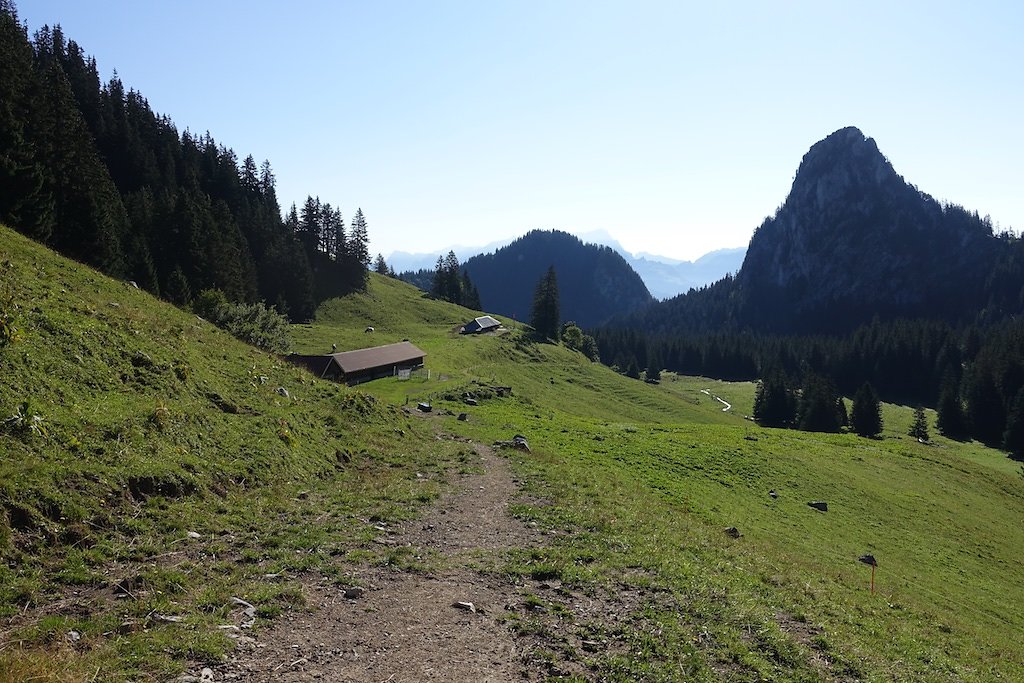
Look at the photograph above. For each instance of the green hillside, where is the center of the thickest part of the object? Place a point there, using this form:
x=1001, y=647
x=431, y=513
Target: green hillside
x=655, y=473
x=152, y=468
x=172, y=469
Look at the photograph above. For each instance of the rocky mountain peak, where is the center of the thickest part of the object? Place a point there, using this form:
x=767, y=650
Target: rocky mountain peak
x=845, y=162
x=852, y=235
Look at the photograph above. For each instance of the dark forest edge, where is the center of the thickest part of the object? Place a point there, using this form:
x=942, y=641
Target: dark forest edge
x=90, y=170
x=973, y=375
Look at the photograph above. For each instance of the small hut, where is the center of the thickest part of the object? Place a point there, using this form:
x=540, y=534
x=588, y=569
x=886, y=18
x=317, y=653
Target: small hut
x=484, y=323
x=363, y=365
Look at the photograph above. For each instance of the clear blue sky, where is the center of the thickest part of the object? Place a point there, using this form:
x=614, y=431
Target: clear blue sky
x=674, y=126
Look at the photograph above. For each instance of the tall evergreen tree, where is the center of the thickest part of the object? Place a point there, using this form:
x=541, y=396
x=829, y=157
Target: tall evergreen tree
x=339, y=243
x=470, y=295
x=950, y=420
x=774, y=405
x=919, y=430
x=1013, y=436
x=309, y=225
x=986, y=414
x=818, y=410
x=25, y=203
x=545, y=315
x=380, y=266
x=359, y=239
x=866, y=414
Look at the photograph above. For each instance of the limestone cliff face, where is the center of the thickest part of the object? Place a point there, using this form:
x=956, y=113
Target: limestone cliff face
x=854, y=240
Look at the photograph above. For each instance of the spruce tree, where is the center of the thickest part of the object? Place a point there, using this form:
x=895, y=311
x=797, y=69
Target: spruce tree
x=919, y=430
x=437, y=286
x=986, y=414
x=866, y=415
x=1013, y=436
x=470, y=295
x=951, y=421
x=359, y=239
x=309, y=225
x=545, y=313
x=25, y=202
x=773, y=401
x=818, y=411
x=380, y=266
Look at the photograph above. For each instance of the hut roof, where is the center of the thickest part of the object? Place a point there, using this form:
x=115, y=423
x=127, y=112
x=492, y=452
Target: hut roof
x=377, y=356
x=483, y=323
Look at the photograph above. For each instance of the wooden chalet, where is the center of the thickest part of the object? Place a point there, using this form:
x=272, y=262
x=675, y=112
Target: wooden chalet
x=362, y=365
x=484, y=323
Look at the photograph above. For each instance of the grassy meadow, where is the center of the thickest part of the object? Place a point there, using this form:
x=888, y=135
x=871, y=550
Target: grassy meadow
x=172, y=469
x=653, y=474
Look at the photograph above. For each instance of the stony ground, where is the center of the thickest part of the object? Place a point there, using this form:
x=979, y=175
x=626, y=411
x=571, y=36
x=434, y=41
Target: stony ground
x=396, y=625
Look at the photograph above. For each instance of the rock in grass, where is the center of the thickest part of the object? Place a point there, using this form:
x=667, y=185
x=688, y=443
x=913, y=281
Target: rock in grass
x=733, y=532
x=468, y=606
x=354, y=592
x=819, y=505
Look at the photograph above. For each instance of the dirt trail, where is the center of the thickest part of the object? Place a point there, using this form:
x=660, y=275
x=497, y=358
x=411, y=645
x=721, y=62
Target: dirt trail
x=404, y=626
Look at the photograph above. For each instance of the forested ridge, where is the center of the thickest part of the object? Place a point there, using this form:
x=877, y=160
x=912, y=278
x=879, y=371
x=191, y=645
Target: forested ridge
x=90, y=170
x=859, y=277
x=595, y=282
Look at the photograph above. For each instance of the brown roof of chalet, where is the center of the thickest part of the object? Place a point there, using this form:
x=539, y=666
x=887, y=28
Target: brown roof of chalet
x=364, y=359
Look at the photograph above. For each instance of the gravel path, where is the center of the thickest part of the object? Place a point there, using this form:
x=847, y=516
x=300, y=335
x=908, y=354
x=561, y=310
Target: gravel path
x=405, y=626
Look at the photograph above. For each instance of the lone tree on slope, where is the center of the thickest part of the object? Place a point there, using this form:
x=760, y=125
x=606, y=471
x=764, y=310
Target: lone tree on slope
x=866, y=415
x=919, y=430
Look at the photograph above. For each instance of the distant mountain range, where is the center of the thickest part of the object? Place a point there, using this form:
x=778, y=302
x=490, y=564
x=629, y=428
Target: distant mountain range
x=664, y=277
x=667, y=277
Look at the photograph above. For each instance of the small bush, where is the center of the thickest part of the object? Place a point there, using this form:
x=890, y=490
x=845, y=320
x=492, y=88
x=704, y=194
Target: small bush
x=254, y=324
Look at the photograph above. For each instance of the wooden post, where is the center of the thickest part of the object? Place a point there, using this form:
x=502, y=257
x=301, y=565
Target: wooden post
x=870, y=560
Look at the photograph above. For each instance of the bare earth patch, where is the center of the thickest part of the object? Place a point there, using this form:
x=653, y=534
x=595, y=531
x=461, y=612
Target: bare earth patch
x=407, y=626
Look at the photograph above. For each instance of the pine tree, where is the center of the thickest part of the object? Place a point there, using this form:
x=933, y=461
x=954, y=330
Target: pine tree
x=919, y=430
x=774, y=405
x=359, y=239
x=470, y=295
x=25, y=202
x=308, y=230
x=545, y=313
x=437, y=286
x=339, y=242
x=950, y=420
x=380, y=266
x=866, y=415
x=451, y=289
x=818, y=411
x=986, y=414
x=1013, y=436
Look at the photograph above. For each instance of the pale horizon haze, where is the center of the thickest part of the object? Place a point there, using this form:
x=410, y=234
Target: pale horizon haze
x=675, y=127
